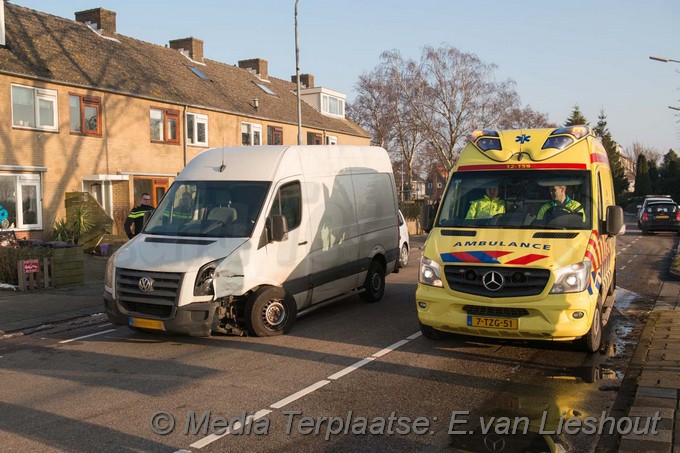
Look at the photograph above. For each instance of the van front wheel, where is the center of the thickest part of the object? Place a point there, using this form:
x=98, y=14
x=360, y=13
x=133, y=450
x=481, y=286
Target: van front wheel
x=374, y=285
x=270, y=311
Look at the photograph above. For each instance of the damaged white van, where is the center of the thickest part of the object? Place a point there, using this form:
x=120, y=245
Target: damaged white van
x=246, y=238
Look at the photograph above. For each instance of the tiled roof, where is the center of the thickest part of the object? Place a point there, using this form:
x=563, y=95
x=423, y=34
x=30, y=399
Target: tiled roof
x=45, y=46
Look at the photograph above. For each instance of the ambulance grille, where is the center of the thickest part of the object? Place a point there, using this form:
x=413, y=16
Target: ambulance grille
x=459, y=233
x=499, y=312
x=159, y=303
x=516, y=282
x=544, y=235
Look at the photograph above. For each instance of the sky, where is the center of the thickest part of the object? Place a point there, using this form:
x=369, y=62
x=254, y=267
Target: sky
x=594, y=54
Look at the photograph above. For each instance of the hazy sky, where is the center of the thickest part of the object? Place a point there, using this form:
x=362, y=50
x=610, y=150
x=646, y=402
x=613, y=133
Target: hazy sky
x=591, y=53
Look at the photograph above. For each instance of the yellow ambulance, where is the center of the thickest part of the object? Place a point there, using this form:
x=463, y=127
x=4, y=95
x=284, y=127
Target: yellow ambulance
x=523, y=245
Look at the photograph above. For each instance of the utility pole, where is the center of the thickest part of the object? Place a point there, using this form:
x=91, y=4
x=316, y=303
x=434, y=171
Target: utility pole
x=297, y=77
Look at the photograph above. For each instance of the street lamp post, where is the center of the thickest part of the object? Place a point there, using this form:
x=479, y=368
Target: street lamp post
x=664, y=60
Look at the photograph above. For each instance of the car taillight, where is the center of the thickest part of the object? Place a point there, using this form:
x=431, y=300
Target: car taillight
x=677, y=216
x=645, y=217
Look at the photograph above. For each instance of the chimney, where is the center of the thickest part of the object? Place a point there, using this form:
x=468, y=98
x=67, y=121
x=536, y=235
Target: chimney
x=256, y=64
x=306, y=80
x=100, y=18
x=192, y=46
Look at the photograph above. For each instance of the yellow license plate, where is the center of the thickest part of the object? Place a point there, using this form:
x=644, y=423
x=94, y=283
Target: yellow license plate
x=492, y=323
x=146, y=323
x=662, y=217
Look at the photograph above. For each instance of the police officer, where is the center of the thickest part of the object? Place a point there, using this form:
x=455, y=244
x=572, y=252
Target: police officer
x=487, y=206
x=136, y=216
x=561, y=204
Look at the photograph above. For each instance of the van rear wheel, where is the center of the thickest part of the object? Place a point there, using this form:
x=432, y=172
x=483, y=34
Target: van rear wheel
x=374, y=285
x=269, y=312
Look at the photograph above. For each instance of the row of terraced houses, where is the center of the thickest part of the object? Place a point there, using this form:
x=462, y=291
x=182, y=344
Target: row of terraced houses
x=85, y=109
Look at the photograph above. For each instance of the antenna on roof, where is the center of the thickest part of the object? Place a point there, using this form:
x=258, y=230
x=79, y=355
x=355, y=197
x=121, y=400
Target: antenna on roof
x=222, y=167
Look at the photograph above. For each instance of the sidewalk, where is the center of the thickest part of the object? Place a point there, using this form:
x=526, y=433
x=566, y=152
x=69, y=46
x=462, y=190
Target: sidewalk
x=657, y=358
x=21, y=311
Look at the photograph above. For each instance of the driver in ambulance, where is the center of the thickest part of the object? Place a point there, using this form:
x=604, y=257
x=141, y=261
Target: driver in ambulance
x=561, y=204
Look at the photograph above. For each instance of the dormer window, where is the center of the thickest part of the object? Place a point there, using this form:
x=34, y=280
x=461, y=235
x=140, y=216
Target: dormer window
x=332, y=105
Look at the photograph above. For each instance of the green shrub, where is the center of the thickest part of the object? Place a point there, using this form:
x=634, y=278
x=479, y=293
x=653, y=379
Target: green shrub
x=10, y=256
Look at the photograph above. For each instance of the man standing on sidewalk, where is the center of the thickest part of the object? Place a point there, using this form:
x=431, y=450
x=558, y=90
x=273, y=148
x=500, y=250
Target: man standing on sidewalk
x=136, y=216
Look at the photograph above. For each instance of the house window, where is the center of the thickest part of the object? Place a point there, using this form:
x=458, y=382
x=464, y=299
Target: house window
x=164, y=125
x=34, y=108
x=314, y=139
x=439, y=185
x=288, y=203
x=85, y=115
x=274, y=135
x=197, y=129
x=20, y=204
x=332, y=105
x=331, y=140
x=251, y=134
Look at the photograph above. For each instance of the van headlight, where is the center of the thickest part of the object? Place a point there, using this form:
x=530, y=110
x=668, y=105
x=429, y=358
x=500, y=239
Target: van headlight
x=430, y=273
x=109, y=274
x=572, y=279
x=204, y=279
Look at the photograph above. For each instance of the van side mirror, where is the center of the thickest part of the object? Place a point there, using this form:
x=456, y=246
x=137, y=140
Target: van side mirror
x=277, y=227
x=427, y=214
x=615, y=224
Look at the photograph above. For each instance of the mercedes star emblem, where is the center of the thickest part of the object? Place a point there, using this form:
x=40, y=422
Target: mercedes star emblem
x=494, y=444
x=145, y=284
x=493, y=281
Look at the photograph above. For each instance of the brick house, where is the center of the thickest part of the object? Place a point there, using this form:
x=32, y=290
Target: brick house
x=85, y=109
x=436, y=181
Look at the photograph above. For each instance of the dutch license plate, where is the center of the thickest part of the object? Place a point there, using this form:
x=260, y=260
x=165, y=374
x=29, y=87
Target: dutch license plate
x=493, y=323
x=146, y=323
x=662, y=217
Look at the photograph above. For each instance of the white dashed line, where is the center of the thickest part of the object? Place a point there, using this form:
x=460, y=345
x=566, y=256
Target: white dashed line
x=87, y=336
x=623, y=267
x=306, y=391
x=236, y=426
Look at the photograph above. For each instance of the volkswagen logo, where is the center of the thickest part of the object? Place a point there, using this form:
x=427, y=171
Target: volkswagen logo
x=493, y=281
x=145, y=284
x=494, y=444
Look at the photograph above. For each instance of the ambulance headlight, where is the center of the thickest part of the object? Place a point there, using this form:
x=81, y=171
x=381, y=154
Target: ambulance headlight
x=430, y=273
x=572, y=279
x=205, y=278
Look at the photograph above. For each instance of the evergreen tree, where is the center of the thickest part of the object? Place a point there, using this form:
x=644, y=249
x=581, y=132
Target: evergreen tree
x=654, y=176
x=618, y=173
x=669, y=174
x=576, y=117
x=643, y=185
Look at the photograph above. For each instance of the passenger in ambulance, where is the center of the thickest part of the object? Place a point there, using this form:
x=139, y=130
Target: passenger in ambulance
x=560, y=205
x=487, y=206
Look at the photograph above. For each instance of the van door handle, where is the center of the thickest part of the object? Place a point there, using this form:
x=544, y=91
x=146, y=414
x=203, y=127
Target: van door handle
x=302, y=243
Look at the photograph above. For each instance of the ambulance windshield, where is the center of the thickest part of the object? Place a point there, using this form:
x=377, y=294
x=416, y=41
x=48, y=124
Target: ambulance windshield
x=209, y=209
x=528, y=199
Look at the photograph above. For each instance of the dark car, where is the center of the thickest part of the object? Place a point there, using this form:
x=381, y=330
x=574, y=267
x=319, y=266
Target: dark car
x=660, y=216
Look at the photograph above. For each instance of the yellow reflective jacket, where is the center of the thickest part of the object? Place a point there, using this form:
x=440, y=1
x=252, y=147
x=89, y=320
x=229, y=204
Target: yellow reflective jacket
x=485, y=208
x=569, y=205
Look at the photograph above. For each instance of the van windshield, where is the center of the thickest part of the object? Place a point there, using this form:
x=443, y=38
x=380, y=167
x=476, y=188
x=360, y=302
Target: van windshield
x=209, y=209
x=523, y=199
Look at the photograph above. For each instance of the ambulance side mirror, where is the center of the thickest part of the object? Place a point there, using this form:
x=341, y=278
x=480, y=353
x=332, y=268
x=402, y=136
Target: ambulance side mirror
x=427, y=214
x=615, y=223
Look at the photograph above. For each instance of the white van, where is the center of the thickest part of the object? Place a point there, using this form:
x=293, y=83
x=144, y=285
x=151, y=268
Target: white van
x=246, y=238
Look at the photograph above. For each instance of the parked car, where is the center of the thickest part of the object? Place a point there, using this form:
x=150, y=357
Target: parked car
x=660, y=216
x=404, y=247
x=650, y=199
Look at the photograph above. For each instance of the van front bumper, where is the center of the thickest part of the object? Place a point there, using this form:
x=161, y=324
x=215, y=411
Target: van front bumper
x=194, y=319
x=550, y=318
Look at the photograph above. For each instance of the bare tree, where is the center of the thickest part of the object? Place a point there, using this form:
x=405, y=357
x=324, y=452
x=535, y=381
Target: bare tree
x=637, y=148
x=372, y=108
x=525, y=118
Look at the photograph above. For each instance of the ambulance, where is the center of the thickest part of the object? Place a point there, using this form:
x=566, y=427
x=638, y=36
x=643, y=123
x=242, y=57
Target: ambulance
x=523, y=245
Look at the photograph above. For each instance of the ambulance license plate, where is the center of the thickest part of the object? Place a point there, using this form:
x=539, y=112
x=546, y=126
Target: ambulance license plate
x=142, y=323
x=493, y=323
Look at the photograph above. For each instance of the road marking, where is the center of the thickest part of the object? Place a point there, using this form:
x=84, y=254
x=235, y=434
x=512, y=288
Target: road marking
x=213, y=437
x=306, y=391
x=629, y=261
x=300, y=394
x=349, y=369
x=623, y=267
x=87, y=336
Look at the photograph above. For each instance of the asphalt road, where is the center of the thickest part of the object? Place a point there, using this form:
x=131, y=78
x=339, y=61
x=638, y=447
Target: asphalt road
x=345, y=374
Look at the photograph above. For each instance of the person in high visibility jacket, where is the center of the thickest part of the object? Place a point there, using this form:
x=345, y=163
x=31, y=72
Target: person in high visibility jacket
x=184, y=212
x=487, y=206
x=135, y=220
x=561, y=204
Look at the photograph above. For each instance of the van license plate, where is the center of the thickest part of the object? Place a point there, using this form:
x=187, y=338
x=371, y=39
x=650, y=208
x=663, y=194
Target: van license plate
x=146, y=323
x=493, y=323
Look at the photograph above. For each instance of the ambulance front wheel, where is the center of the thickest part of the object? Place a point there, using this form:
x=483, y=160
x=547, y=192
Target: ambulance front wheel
x=270, y=311
x=593, y=339
x=431, y=333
